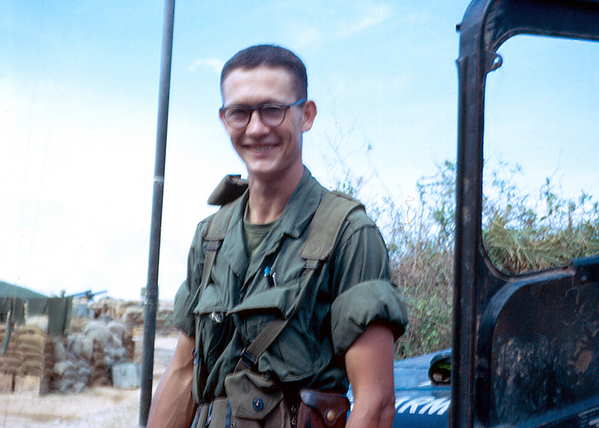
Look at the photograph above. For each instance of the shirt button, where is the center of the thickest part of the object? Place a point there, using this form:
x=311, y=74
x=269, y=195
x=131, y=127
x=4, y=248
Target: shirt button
x=258, y=404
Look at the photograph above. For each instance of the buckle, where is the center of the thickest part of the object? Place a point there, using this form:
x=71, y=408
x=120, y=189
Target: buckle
x=311, y=264
x=213, y=245
x=248, y=359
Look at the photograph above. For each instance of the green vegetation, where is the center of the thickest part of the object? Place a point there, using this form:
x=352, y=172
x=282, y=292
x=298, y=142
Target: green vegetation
x=521, y=232
x=12, y=291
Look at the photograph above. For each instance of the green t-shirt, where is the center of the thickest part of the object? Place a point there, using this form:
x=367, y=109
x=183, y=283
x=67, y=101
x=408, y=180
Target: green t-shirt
x=254, y=235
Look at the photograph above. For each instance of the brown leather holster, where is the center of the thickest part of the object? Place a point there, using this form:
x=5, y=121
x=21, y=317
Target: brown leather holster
x=322, y=409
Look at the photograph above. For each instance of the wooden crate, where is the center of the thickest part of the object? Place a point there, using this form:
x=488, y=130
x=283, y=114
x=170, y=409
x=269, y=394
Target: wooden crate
x=24, y=383
x=7, y=382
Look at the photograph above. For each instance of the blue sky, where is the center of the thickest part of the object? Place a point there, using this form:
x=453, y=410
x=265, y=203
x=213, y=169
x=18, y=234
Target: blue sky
x=78, y=107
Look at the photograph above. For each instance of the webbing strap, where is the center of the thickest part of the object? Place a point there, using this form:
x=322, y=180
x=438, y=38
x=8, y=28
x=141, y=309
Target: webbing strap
x=219, y=225
x=250, y=355
x=326, y=225
x=214, y=234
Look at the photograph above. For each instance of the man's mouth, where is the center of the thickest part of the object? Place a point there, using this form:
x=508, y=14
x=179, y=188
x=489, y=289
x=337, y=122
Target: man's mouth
x=261, y=148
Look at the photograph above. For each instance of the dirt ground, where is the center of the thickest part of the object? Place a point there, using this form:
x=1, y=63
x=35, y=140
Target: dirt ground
x=97, y=407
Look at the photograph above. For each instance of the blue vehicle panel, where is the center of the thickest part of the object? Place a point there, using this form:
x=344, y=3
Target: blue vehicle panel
x=419, y=402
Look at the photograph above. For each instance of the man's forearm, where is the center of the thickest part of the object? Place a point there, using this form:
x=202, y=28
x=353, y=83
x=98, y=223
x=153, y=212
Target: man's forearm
x=370, y=418
x=172, y=405
x=369, y=364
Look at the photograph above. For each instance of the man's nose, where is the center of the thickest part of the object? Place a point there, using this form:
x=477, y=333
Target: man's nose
x=256, y=126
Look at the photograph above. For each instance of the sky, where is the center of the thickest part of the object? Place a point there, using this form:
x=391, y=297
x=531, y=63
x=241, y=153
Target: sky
x=79, y=101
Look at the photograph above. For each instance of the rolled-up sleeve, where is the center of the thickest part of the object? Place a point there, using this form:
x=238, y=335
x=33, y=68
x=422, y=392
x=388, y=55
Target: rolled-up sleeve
x=365, y=293
x=363, y=304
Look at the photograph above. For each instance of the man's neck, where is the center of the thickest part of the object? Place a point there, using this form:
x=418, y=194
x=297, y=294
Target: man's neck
x=267, y=199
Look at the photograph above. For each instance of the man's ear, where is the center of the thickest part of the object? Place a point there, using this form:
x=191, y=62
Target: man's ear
x=308, y=115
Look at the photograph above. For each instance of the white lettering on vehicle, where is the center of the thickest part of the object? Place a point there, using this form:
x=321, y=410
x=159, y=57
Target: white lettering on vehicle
x=429, y=405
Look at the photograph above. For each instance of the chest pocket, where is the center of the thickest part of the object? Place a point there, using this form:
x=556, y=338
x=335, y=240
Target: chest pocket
x=259, y=309
x=303, y=348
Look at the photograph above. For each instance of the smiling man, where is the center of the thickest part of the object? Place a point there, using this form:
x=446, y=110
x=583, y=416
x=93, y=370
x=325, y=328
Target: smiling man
x=334, y=321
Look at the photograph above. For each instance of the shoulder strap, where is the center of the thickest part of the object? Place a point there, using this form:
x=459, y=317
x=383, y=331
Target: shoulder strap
x=322, y=238
x=214, y=234
x=326, y=227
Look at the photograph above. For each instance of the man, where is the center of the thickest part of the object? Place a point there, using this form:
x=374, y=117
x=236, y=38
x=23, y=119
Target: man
x=347, y=324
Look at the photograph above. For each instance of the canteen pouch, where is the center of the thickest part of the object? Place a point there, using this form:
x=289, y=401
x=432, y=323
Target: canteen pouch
x=256, y=401
x=322, y=409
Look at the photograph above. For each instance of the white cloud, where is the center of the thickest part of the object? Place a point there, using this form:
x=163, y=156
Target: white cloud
x=213, y=64
x=370, y=17
x=338, y=23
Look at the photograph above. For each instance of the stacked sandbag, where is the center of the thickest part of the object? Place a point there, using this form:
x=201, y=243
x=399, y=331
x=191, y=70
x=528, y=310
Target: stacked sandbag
x=72, y=358
x=31, y=344
x=86, y=359
x=23, y=365
x=131, y=314
x=133, y=318
x=48, y=365
x=114, y=344
x=126, y=337
x=164, y=318
x=25, y=353
x=109, y=309
x=100, y=373
x=10, y=360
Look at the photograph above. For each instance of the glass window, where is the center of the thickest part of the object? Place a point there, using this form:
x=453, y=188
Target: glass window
x=540, y=182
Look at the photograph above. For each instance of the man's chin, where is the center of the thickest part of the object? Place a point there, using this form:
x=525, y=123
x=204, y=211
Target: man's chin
x=264, y=174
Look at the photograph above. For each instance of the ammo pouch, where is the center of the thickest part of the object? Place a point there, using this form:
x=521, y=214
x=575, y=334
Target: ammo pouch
x=322, y=409
x=256, y=401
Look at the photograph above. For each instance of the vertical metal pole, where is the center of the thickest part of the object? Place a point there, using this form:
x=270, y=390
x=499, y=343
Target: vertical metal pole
x=151, y=298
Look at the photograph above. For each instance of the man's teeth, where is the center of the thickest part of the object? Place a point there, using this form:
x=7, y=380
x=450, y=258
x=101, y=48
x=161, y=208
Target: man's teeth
x=261, y=149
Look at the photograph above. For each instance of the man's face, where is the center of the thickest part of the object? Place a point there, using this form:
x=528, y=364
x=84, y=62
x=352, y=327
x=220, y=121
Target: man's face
x=268, y=152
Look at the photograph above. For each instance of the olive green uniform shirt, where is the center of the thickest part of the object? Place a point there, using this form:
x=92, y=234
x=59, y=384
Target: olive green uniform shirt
x=351, y=290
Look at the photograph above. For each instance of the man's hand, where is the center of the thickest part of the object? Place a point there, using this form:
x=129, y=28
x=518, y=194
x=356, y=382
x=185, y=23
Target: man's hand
x=369, y=365
x=172, y=405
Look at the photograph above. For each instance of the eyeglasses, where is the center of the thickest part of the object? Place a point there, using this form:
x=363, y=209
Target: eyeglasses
x=271, y=114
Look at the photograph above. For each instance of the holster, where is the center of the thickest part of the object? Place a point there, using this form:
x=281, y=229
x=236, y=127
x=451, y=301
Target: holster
x=322, y=409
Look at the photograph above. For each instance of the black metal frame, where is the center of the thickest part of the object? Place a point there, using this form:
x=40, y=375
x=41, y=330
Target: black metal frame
x=485, y=299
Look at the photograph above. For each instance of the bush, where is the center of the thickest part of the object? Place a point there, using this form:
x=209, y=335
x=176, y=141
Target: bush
x=523, y=234
x=520, y=233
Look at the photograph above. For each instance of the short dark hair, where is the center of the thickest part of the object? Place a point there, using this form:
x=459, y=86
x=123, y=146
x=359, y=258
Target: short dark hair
x=270, y=56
